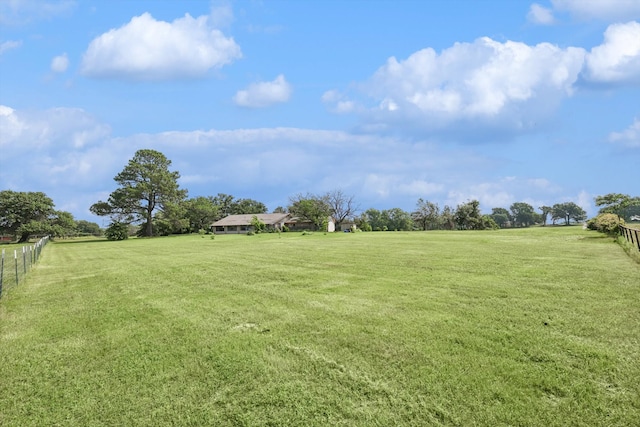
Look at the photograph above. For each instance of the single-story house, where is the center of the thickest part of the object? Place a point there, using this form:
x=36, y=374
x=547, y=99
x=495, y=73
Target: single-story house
x=240, y=224
x=237, y=224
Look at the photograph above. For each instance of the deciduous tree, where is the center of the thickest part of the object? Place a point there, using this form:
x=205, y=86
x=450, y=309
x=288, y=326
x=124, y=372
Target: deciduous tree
x=201, y=212
x=427, y=215
x=616, y=203
x=468, y=216
x=248, y=206
x=87, y=227
x=568, y=211
x=546, y=211
x=523, y=214
x=342, y=206
x=63, y=224
x=501, y=217
x=448, y=218
x=311, y=208
x=23, y=214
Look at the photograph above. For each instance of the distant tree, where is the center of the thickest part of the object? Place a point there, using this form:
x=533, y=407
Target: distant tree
x=87, y=227
x=200, y=212
x=501, y=217
x=385, y=220
x=146, y=186
x=546, y=211
x=362, y=222
x=342, y=206
x=448, y=218
x=310, y=207
x=632, y=211
x=23, y=214
x=398, y=219
x=523, y=214
x=488, y=223
x=248, y=206
x=373, y=217
x=224, y=203
x=171, y=220
x=568, y=211
x=427, y=215
x=63, y=224
x=280, y=209
x=468, y=216
x=616, y=203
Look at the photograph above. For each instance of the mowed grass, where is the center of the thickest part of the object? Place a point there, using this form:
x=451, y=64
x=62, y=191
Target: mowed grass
x=534, y=327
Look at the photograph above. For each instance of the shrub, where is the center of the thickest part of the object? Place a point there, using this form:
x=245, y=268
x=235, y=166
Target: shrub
x=117, y=231
x=607, y=223
x=258, y=225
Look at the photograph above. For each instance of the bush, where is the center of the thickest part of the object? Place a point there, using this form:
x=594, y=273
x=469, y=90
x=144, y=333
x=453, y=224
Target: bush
x=607, y=223
x=117, y=231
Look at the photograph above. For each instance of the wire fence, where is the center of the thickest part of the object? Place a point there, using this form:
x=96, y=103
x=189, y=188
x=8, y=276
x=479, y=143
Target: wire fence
x=632, y=235
x=17, y=261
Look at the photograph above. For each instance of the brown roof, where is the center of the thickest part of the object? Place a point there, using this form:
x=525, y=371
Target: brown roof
x=245, y=219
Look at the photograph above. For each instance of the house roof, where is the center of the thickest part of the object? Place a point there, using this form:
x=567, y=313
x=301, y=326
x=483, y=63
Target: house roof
x=245, y=219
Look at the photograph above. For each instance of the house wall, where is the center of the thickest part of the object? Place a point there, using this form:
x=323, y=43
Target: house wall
x=241, y=229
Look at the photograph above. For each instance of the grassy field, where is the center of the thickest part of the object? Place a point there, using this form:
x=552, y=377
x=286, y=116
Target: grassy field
x=532, y=327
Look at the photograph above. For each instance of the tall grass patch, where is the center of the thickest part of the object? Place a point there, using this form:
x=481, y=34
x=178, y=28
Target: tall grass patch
x=538, y=326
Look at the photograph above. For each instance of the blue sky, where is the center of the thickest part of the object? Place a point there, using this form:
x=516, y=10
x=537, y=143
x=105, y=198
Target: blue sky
x=390, y=101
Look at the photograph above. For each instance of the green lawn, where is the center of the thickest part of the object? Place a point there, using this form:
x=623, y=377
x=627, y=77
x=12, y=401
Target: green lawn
x=527, y=327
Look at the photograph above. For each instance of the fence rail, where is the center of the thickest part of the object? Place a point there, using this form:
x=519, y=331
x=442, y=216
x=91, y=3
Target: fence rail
x=632, y=235
x=16, y=262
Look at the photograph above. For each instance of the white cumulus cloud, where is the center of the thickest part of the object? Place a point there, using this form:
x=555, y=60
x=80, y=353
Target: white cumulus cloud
x=11, y=126
x=629, y=137
x=607, y=10
x=506, y=85
x=60, y=63
x=540, y=15
x=60, y=128
x=148, y=49
x=617, y=59
x=337, y=102
x=264, y=94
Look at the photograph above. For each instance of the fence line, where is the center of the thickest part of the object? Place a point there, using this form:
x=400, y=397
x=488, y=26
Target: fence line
x=632, y=235
x=14, y=267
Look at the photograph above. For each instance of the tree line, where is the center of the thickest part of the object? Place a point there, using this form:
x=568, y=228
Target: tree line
x=26, y=214
x=149, y=199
